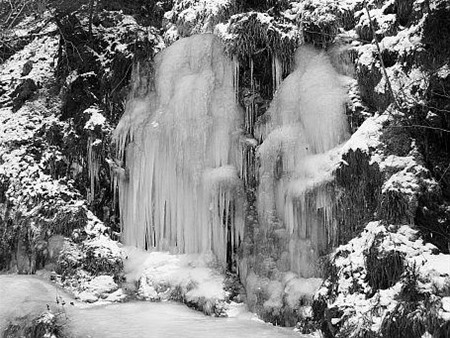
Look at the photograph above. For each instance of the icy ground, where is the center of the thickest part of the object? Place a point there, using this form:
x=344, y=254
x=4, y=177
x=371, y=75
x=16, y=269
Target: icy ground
x=21, y=294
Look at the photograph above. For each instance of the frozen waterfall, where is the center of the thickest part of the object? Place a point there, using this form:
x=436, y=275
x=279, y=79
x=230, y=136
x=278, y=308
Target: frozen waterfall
x=305, y=120
x=179, y=145
x=180, y=148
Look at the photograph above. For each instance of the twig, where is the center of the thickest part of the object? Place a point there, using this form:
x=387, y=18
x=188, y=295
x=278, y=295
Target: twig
x=388, y=81
x=422, y=126
x=340, y=35
x=441, y=95
x=58, y=24
x=18, y=14
x=91, y=14
x=435, y=231
x=442, y=176
x=126, y=73
x=10, y=13
x=438, y=109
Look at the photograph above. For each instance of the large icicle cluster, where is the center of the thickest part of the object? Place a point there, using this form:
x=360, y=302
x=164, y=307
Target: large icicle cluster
x=181, y=190
x=305, y=120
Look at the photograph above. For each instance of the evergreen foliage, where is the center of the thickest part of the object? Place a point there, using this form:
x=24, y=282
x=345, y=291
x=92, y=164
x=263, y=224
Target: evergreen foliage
x=383, y=269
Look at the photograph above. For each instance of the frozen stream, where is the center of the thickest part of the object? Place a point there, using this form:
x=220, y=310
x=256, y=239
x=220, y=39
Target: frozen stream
x=22, y=295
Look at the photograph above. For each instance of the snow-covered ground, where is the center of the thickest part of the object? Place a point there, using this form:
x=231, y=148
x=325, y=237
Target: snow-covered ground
x=30, y=295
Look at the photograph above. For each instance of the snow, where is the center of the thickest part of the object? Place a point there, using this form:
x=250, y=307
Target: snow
x=28, y=181
x=97, y=248
x=446, y=303
x=161, y=273
x=95, y=119
x=319, y=12
x=366, y=55
x=122, y=37
x=444, y=71
x=367, y=137
x=116, y=296
x=287, y=34
x=409, y=85
x=404, y=42
x=288, y=290
x=102, y=284
x=409, y=175
x=188, y=17
x=104, y=247
x=349, y=259
x=222, y=30
x=131, y=319
x=402, y=84
x=87, y=297
x=40, y=52
x=403, y=181
x=300, y=288
x=384, y=22
x=439, y=264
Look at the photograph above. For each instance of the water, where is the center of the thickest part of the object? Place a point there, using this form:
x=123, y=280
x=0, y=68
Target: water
x=21, y=295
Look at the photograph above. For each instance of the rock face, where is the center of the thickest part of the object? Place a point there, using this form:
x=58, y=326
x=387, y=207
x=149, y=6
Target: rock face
x=45, y=141
x=23, y=92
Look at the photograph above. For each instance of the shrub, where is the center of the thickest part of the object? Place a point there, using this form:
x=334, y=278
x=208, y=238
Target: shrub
x=383, y=268
x=412, y=319
x=47, y=324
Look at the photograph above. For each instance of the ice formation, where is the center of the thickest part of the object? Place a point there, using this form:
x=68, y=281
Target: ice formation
x=305, y=119
x=179, y=144
x=181, y=147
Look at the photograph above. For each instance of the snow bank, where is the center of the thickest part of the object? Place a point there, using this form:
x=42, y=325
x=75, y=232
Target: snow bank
x=352, y=294
x=191, y=278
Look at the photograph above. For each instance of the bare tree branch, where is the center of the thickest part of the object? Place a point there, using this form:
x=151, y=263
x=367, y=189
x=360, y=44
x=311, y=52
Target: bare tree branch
x=422, y=126
x=388, y=81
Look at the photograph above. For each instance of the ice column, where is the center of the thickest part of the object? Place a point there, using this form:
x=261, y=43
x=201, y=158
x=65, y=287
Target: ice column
x=179, y=146
x=305, y=120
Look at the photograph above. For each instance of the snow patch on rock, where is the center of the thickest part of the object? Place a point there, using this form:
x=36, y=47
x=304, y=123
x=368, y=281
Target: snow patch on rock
x=191, y=278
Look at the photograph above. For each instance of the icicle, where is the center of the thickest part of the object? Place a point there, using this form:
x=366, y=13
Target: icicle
x=273, y=75
x=251, y=73
x=247, y=117
x=236, y=76
x=250, y=106
x=93, y=168
x=278, y=73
